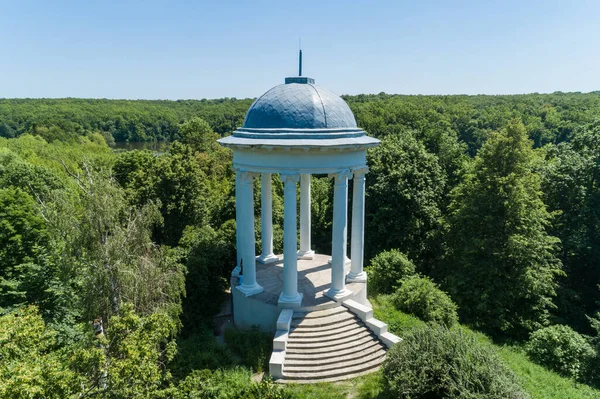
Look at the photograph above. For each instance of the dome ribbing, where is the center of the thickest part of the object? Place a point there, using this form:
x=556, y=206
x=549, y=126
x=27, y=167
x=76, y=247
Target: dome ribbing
x=299, y=106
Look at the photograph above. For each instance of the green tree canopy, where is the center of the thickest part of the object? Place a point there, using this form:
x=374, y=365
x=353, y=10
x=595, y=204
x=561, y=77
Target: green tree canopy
x=502, y=265
x=404, y=193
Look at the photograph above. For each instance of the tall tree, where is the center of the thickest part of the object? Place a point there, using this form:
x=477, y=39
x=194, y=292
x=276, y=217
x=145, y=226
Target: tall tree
x=502, y=265
x=404, y=190
x=571, y=182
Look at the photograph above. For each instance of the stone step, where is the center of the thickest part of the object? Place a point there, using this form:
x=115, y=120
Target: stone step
x=319, y=313
x=332, y=372
x=326, y=343
x=329, y=379
x=328, y=327
x=330, y=345
x=357, y=344
x=338, y=333
x=299, y=355
x=340, y=366
x=362, y=355
x=304, y=333
x=322, y=321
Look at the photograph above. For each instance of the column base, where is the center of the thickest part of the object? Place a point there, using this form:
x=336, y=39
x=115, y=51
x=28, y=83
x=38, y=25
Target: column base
x=287, y=302
x=249, y=290
x=356, y=277
x=308, y=255
x=264, y=259
x=338, y=295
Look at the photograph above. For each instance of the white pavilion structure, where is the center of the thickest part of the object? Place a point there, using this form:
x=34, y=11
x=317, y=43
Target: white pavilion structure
x=293, y=131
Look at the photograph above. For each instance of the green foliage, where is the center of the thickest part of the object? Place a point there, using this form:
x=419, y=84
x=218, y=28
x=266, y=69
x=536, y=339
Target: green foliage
x=538, y=381
x=181, y=190
x=441, y=120
x=22, y=229
x=386, y=271
x=209, y=256
x=138, y=349
x=35, y=180
x=124, y=120
x=226, y=384
x=133, y=170
x=502, y=265
x=253, y=346
x=22, y=238
x=190, y=188
x=398, y=322
x=423, y=298
x=197, y=133
x=561, y=349
x=198, y=352
x=543, y=383
x=403, y=199
x=85, y=232
x=436, y=362
x=29, y=368
x=112, y=247
x=571, y=183
x=321, y=209
x=593, y=374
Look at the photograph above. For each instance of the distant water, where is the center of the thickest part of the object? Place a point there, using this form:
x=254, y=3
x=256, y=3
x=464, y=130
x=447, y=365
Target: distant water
x=154, y=146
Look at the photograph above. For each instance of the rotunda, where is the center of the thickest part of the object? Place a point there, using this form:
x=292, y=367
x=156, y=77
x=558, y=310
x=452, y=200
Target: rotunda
x=296, y=130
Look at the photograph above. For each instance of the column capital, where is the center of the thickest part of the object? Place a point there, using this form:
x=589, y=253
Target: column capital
x=289, y=177
x=247, y=176
x=341, y=175
x=360, y=172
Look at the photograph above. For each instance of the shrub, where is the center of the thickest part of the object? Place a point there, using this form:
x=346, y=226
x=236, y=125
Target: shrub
x=198, y=352
x=387, y=269
x=422, y=297
x=562, y=349
x=253, y=346
x=593, y=375
x=436, y=362
x=226, y=383
x=209, y=256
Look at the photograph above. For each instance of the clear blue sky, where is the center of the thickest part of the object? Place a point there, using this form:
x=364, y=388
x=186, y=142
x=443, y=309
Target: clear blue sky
x=221, y=48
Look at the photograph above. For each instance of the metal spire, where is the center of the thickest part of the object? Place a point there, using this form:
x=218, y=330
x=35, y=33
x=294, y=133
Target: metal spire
x=300, y=58
x=299, y=79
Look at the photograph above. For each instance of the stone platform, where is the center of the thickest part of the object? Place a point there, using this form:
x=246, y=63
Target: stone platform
x=314, y=279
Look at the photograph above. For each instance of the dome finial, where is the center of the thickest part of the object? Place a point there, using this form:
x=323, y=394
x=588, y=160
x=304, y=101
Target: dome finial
x=300, y=57
x=299, y=79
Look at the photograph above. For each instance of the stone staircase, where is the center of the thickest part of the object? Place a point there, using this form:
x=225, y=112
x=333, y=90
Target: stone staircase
x=330, y=345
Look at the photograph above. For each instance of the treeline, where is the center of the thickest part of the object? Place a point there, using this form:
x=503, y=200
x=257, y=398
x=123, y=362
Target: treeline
x=116, y=120
x=548, y=118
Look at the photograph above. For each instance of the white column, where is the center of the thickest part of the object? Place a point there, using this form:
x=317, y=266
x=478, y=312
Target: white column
x=338, y=288
x=358, y=228
x=245, y=213
x=238, y=224
x=305, y=252
x=266, y=219
x=290, y=297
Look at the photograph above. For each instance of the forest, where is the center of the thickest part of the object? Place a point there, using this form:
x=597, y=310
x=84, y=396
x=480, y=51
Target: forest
x=482, y=240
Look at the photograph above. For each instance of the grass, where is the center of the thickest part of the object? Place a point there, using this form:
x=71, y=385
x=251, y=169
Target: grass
x=398, y=322
x=542, y=383
x=539, y=382
x=365, y=387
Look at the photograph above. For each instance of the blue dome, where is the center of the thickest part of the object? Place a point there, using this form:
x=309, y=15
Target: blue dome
x=299, y=106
